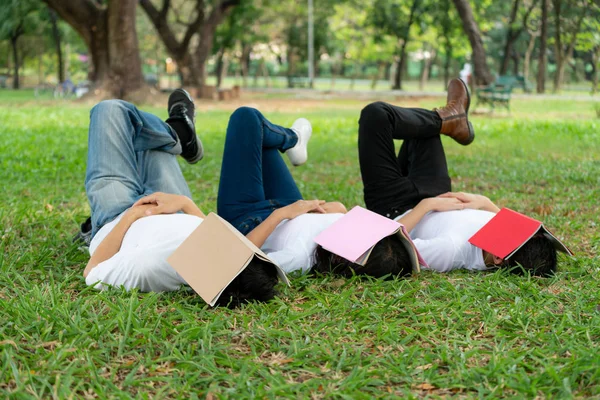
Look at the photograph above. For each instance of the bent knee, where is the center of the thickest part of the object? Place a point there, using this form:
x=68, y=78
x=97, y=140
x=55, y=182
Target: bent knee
x=244, y=114
x=244, y=124
x=107, y=107
x=373, y=112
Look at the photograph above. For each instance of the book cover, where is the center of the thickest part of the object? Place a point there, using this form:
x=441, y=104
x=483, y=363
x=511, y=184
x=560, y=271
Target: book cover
x=355, y=234
x=508, y=231
x=213, y=255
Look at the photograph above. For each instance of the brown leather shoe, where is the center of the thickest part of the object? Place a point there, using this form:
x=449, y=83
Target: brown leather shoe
x=454, y=114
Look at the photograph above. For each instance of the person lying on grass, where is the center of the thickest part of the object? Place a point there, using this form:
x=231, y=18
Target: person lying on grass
x=141, y=205
x=142, y=208
x=256, y=191
x=409, y=186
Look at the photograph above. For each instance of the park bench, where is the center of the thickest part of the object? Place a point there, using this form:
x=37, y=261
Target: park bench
x=500, y=91
x=3, y=79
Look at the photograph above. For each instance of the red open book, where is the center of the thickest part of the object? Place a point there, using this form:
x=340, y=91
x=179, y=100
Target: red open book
x=508, y=231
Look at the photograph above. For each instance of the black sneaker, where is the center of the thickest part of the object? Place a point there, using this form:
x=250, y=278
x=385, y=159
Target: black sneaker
x=182, y=117
x=84, y=236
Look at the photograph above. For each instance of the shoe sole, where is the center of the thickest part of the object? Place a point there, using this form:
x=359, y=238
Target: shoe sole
x=185, y=94
x=468, y=95
x=471, y=130
x=199, y=156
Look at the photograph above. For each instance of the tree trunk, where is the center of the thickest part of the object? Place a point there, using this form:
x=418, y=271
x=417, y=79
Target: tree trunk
x=398, y=76
x=378, y=75
x=425, y=67
x=188, y=73
x=527, y=59
x=515, y=58
x=201, y=71
x=245, y=62
x=482, y=73
x=257, y=72
x=447, y=62
x=561, y=59
x=336, y=69
x=179, y=51
x=510, y=38
x=563, y=55
x=219, y=66
x=432, y=62
x=57, y=44
x=265, y=71
x=123, y=50
x=401, y=64
x=40, y=53
x=204, y=47
x=541, y=78
x=13, y=43
x=191, y=65
x=595, y=60
x=8, y=55
x=446, y=28
x=558, y=47
x=110, y=36
x=291, y=59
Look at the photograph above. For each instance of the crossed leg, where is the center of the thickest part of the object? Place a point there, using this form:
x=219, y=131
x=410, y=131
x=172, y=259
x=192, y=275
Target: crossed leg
x=394, y=183
x=254, y=178
x=131, y=154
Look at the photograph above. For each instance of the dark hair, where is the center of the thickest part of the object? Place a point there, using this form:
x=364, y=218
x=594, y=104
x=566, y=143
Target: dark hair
x=388, y=258
x=537, y=257
x=255, y=283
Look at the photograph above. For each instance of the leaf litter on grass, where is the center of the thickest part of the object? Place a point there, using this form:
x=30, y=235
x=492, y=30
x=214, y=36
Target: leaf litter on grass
x=437, y=335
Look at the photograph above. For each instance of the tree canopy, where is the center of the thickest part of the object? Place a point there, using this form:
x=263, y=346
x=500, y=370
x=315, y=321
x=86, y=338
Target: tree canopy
x=392, y=40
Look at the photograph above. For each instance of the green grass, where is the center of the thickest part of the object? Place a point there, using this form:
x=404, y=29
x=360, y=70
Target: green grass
x=463, y=334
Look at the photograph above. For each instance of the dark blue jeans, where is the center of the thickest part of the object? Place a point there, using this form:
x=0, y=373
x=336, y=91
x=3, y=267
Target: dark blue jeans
x=254, y=178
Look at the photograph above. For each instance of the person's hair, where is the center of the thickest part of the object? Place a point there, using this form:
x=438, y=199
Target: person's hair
x=389, y=258
x=537, y=257
x=255, y=283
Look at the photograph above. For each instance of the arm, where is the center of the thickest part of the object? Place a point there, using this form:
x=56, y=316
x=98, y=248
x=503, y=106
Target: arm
x=413, y=217
x=165, y=203
x=259, y=235
x=112, y=242
x=473, y=201
x=154, y=204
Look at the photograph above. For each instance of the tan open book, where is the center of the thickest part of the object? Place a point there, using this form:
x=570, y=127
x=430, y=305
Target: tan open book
x=213, y=255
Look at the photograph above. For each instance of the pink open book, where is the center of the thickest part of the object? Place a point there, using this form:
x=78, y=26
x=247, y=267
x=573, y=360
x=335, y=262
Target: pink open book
x=355, y=234
x=508, y=231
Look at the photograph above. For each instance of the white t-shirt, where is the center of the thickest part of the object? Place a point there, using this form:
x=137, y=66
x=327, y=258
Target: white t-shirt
x=292, y=245
x=141, y=261
x=442, y=238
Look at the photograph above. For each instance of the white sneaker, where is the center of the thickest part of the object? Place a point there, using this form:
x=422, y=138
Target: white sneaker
x=298, y=154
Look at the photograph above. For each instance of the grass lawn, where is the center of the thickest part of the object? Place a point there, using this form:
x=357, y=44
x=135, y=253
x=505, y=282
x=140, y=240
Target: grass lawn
x=462, y=334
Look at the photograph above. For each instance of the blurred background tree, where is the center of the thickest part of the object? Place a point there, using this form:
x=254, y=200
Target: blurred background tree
x=123, y=47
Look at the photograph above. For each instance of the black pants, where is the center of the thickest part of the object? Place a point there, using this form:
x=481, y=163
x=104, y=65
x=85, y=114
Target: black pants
x=394, y=184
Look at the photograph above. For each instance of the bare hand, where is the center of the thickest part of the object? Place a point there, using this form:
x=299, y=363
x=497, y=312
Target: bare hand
x=444, y=204
x=470, y=200
x=139, y=211
x=332, y=207
x=163, y=203
x=302, y=207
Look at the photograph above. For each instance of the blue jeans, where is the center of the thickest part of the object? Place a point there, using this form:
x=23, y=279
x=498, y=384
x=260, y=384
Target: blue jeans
x=131, y=154
x=254, y=178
